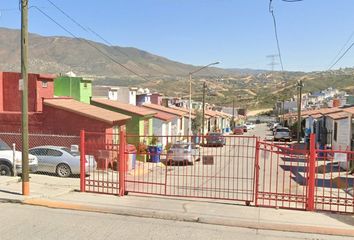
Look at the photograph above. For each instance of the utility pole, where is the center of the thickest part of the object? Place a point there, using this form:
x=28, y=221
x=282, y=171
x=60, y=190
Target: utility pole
x=233, y=115
x=203, y=119
x=24, y=75
x=272, y=63
x=299, y=101
x=283, y=110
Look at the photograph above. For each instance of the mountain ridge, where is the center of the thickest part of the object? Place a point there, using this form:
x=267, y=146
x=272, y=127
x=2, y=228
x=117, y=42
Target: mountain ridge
x=60, y=54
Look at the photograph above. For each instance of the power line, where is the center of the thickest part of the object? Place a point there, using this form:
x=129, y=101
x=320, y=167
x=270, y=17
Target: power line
x=86, y=29
x=89, y=43
x=340, y=58
x=89, y=30
x=276, y=34
x=341, y=50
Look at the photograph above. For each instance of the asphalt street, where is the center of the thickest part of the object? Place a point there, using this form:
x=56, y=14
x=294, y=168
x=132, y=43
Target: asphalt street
x=21, y=222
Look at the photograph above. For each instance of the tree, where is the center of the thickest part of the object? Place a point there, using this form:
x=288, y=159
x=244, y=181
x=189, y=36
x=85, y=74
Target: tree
x=197, y=122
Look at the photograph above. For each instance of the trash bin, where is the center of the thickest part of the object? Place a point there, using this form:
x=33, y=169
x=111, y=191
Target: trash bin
x=228, y=130
x=196, y=139
x=102, y=163
x=130, y=152
x=103, y=159
x=154, y=152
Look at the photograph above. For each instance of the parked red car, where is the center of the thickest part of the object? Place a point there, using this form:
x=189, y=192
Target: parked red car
x=244, y=127
x=238, y=130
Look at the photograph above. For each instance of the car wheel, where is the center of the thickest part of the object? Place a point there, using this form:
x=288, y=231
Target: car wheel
x=169, y=162
x=5, y=170
x=63, y=170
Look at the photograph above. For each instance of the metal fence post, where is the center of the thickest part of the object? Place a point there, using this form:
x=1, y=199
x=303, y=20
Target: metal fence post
x=14, y=159
x=82, y=162
x=256, y=172
x=122, y=163
x=311, y=175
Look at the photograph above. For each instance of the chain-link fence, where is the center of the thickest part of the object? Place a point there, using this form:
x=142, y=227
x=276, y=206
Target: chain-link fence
x=53, y=155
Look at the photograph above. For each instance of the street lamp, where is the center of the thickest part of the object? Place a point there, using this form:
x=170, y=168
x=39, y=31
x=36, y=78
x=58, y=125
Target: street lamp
x=190, y=94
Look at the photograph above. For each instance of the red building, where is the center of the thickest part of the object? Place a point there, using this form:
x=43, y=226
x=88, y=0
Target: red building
x=156, y=98
x=39, y=86
x=68, y=116
x=46, y=114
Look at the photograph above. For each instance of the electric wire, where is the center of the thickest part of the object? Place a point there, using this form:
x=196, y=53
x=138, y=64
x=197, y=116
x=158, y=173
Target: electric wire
x=89, y=43
x=276, y=34
x=341, y=56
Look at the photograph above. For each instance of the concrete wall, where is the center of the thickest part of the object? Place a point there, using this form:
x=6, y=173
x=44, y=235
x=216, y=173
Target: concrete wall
x=343, y=134
x=122, y=94
x=85, y=91
x=11, y=122
x=156, y=99
x=113, y=94
x=75, y=87
x=161, y=130
x=58, y=121
x=11, y=95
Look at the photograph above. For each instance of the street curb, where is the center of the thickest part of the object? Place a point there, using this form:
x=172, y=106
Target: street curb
x=277, y=226
x=183, y=217
x=117, y=211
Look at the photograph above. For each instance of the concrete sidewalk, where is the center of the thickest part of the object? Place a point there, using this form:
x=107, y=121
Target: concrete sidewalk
x=63, y=196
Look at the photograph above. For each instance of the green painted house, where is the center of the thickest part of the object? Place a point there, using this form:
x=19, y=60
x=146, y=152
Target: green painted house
x=141, y=123
x=78, y=88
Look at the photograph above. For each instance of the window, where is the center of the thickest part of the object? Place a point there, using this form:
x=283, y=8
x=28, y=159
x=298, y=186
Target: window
x=85, y=85
x=38, y=152
x=335, y=131
x=44, y=84
x=4, y=146
x=55, y=153
x=70, y=152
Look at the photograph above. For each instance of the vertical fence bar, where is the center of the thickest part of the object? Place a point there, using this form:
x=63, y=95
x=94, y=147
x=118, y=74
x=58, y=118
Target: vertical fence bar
x=256, y=172
x=311, y=175
x=82, y=162
x=122, y=163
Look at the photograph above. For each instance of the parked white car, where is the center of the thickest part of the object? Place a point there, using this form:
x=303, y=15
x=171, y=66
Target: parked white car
x=182, y=152
x=7, y=160
x=250, y=125
x=282, y=133
x=61, y=160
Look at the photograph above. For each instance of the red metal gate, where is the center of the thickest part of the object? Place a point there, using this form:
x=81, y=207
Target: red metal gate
x=282, y=176
x=239, y=168
x=312, y=179
x=216, y=171
x=334, y=181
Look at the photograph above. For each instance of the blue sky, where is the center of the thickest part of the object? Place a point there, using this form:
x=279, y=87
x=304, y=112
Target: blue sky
x=239, y=33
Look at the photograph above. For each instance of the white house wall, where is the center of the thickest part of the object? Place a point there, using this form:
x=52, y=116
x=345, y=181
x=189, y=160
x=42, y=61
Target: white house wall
x=160, y=130
x=343, y=134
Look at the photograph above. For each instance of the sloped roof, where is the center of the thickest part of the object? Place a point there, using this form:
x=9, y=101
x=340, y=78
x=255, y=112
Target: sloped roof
x=125, y=107
x=164, y=116
x=329, y=110
x=207, y=116
x=165, y=109
x=338, y=115
x=211, y=113
x=349, y=110
x=86, y=110
x=317, y=115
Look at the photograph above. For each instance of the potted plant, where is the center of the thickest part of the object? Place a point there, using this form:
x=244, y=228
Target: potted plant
x=154, y=149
